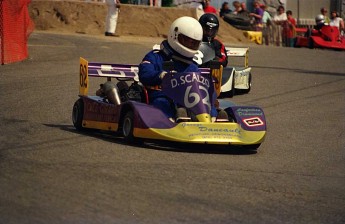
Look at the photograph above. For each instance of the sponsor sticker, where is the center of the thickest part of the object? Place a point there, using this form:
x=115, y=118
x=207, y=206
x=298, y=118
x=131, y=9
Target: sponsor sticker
x=253, y=121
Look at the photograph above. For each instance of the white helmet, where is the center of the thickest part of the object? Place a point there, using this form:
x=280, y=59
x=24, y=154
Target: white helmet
x=319, y=19
x=185, y=36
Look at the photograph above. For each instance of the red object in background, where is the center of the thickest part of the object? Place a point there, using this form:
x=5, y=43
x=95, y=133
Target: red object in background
x=15, y=28
x=326, y=37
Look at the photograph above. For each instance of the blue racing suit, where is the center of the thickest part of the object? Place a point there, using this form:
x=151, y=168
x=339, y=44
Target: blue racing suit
x=150, y=70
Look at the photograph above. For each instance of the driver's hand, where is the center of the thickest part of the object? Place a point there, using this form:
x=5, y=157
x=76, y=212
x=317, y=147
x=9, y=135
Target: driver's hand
x=161, y=76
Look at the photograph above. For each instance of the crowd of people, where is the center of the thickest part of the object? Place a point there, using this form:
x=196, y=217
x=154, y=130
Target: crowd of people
x=277, y=29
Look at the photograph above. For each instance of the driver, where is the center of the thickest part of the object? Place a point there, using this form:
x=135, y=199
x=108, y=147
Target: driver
x=210, y=26
x=183, y=42
x=320, y=22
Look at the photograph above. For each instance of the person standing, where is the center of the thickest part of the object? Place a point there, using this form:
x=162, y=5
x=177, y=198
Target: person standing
x=224, y=10
x=324, y=12
x=257, y=15
x=267, y=34
x=279, y=20
x=111, y=19
x=208, y=8
x=289, y=30
x=337, y=21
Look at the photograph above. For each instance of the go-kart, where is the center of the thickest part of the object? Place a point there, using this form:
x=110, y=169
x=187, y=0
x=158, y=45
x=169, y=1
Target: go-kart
x=233, y=79
x=327, y=37
x=125, y=109
x=237, y=80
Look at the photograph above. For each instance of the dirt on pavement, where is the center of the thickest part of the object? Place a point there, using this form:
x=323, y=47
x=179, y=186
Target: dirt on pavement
x=137, y=21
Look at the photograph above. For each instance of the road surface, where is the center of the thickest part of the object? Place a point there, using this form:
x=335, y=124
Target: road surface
x=49, y=173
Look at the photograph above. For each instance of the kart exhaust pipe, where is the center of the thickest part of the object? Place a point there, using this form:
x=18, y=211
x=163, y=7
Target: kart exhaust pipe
x=111, y=91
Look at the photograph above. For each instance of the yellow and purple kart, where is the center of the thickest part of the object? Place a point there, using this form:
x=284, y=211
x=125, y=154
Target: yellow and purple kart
x=125, y=108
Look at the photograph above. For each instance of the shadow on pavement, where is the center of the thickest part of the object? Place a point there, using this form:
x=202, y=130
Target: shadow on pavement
x=115, y=137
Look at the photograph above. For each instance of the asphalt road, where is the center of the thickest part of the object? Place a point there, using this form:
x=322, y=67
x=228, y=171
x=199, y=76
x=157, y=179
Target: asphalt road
x=49, y=173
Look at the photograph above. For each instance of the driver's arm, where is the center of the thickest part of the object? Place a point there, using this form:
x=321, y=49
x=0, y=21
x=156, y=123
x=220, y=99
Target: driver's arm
x=150, y=69
x=221, y=53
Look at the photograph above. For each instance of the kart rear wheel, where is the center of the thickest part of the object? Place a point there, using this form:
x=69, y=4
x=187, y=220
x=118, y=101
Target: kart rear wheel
x=311, y=43
x=128, y=127
x=77, y=115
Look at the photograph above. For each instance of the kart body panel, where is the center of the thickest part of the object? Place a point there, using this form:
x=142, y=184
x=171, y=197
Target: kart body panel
x=237, y=77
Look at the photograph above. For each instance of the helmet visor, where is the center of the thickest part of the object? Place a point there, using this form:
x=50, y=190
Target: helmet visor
x=188, y=42
x=209, y=32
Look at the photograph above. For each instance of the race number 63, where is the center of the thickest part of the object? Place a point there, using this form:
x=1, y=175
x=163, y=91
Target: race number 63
x=83, y=77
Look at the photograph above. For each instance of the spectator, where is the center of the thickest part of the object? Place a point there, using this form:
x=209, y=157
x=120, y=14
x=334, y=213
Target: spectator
x=257, y=15
x=337, y=21
x=183, y=42
x=225, y=9
x=266, y=26
x=324, y=11
x=238, y=8
x=279, y=20
x=289, y=30
x=244, y=6
x=208, y=8
x=111, y=20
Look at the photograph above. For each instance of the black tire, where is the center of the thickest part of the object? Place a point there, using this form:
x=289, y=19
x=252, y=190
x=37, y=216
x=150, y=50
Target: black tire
x=127, y=128
x=311, y=43
x=78, y=114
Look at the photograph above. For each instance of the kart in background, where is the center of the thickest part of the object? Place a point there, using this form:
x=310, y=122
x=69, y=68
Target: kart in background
x=129, y=114
x=233, y=79
x=237, y=80
x=327, y=37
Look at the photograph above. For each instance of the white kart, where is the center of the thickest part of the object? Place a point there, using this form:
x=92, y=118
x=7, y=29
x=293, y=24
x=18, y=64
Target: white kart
x=236, y=79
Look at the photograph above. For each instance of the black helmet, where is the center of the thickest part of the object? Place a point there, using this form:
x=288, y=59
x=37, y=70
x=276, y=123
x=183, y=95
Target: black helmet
x=210, y=25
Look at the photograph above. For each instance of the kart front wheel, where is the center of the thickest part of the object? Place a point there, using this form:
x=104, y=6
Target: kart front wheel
x=128, y=127
x=77, y=114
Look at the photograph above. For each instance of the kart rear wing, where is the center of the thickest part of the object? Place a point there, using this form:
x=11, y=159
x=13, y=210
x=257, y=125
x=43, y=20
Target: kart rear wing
x=239, y=52
x=106, y=70
x=96, y=69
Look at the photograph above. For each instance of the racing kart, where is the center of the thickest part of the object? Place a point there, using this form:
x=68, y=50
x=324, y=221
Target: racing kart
x=126, y=110
x=327, y=37
x=237, y=80
x=233, y=79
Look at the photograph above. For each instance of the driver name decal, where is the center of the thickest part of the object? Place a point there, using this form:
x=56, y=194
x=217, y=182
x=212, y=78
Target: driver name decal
x=192, y=90
x=192, y=77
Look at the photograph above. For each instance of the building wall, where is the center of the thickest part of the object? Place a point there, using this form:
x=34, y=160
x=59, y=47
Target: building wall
x=306, y=10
